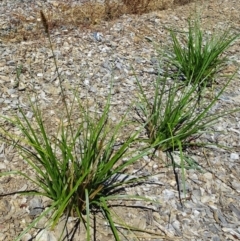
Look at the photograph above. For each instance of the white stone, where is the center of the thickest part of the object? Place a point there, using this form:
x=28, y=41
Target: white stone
x=45, y=235
x=2, y=166
x=234, y=156
x=208, y=176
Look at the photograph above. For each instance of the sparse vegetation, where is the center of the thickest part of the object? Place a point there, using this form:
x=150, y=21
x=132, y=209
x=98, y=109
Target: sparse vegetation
x=79, y=166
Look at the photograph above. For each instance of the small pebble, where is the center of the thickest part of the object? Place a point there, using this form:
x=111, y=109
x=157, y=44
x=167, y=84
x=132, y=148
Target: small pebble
x=234, y=156
x=27, y=237
x=2, y=166
x=35, y=206
x=208, y=175
x=45, y=235
x=2, y=236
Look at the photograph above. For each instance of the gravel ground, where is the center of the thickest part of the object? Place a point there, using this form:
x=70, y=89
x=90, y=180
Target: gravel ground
x=88, y=56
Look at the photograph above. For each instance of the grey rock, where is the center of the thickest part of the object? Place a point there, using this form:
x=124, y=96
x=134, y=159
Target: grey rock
x=235, y=210
x=215, y=238
x=98, y=36
x=35, y=206
x=11, y=63
x=168, y=194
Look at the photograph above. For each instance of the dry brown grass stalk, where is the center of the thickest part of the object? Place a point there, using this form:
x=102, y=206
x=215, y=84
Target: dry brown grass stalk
x=44, y=22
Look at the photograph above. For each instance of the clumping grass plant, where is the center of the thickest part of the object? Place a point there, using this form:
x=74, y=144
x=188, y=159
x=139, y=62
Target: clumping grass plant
x=174, y=114
x=197, y=57
x=79, y=167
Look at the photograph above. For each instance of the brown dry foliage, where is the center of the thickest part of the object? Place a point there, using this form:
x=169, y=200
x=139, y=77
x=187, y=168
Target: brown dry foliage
x=181, y=2
x=87, y=15
x=137, y=6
